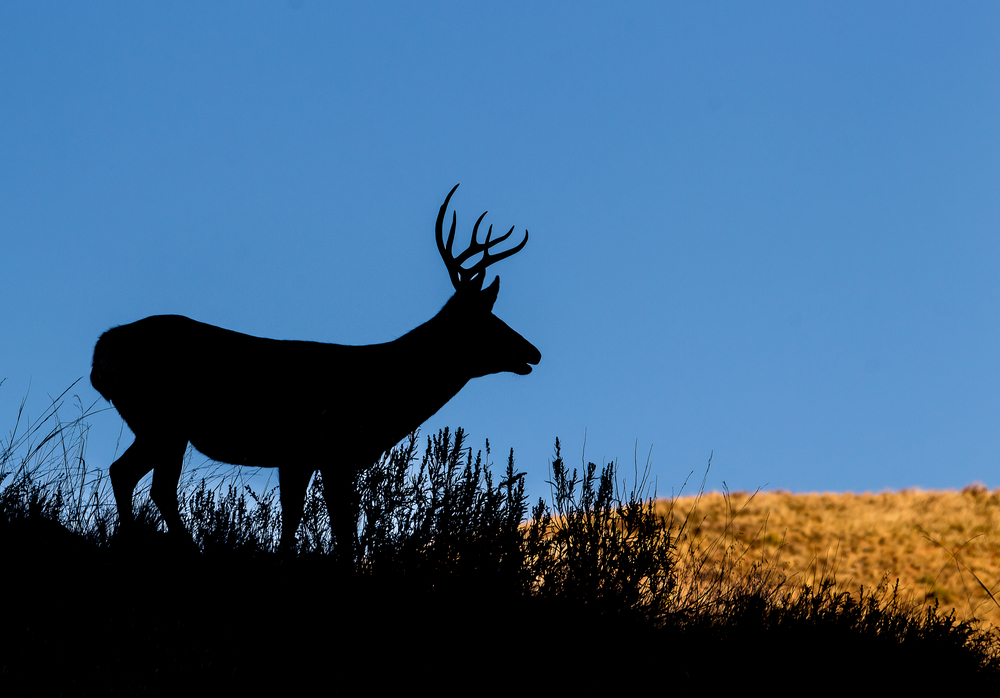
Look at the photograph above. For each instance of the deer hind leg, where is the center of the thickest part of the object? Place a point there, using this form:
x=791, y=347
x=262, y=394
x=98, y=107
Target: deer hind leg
x=343, y=503
x=292, y=483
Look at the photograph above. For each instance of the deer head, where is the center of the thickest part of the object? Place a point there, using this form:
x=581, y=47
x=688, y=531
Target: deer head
x=502, y=348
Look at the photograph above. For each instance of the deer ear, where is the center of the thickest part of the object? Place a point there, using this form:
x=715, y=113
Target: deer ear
x=489, y=296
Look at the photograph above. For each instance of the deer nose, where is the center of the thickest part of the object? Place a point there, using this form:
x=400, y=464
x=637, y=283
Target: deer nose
x=530, y=354
x=535, y=355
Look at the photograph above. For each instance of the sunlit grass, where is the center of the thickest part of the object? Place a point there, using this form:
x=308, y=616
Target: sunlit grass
x=941, y=546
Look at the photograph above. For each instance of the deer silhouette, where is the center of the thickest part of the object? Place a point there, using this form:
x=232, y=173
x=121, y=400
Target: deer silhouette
x=298, y=406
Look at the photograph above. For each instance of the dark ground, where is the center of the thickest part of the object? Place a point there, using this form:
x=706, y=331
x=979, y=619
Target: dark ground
x=157, y=620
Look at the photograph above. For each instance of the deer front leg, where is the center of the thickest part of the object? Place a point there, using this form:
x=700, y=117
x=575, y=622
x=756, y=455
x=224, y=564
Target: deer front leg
x=292, y=483
x=164, y=456
x=125, y=474
x=163, y=491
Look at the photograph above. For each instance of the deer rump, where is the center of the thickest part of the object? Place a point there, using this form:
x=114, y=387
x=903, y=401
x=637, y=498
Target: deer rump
x=247, y=400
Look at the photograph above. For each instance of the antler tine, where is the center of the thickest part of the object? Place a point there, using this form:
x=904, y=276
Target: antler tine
x=474, y=246
x=475, y=231
x=451, y=233
x=445, y=250
x=502, y=237
x=506, y=253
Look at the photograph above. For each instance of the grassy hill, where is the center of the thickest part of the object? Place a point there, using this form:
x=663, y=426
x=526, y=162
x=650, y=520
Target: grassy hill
x=941, y=546
x=458, y=583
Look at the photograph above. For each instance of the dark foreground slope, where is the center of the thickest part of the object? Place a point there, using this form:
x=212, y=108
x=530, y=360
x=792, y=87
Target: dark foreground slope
x=453, y=594
x=87, y=622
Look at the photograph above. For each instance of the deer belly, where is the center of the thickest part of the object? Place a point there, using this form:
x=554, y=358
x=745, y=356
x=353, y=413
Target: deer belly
x=239, y=447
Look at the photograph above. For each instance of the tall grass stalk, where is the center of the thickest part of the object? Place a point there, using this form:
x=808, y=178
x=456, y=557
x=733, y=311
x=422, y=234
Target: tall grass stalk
x=44, y=471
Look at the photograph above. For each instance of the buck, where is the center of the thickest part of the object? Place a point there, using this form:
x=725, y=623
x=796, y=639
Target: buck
x=298, y=406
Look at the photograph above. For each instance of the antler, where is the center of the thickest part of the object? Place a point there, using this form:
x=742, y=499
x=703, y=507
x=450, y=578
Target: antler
x=462, y=278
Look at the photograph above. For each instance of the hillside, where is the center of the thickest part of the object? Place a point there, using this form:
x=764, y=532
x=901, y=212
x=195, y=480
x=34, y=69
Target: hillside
x=936, y=543
x=453, y=581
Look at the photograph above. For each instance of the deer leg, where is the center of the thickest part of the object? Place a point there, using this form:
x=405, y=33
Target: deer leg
x=125, y=474
x=292, y=483
x=168, y=459
x=343, y=502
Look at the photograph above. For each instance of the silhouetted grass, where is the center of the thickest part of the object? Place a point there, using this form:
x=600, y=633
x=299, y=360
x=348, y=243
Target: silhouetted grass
x=44, y=475
x=456, y=586
x=600, y=546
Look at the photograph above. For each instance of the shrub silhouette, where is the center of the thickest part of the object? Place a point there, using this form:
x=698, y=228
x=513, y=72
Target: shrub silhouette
x=601, y=547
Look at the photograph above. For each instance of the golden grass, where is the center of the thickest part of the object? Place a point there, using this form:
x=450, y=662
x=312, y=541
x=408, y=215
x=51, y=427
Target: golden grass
x=936, y=543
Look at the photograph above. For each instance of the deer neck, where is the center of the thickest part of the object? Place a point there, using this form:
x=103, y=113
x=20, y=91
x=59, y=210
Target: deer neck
x=403, y=383
x=434, y=360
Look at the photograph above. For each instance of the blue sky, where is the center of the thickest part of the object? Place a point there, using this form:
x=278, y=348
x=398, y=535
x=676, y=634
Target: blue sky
x=767, y=231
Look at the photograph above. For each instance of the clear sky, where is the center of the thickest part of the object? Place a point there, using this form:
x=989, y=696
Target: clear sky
x=765, y=230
